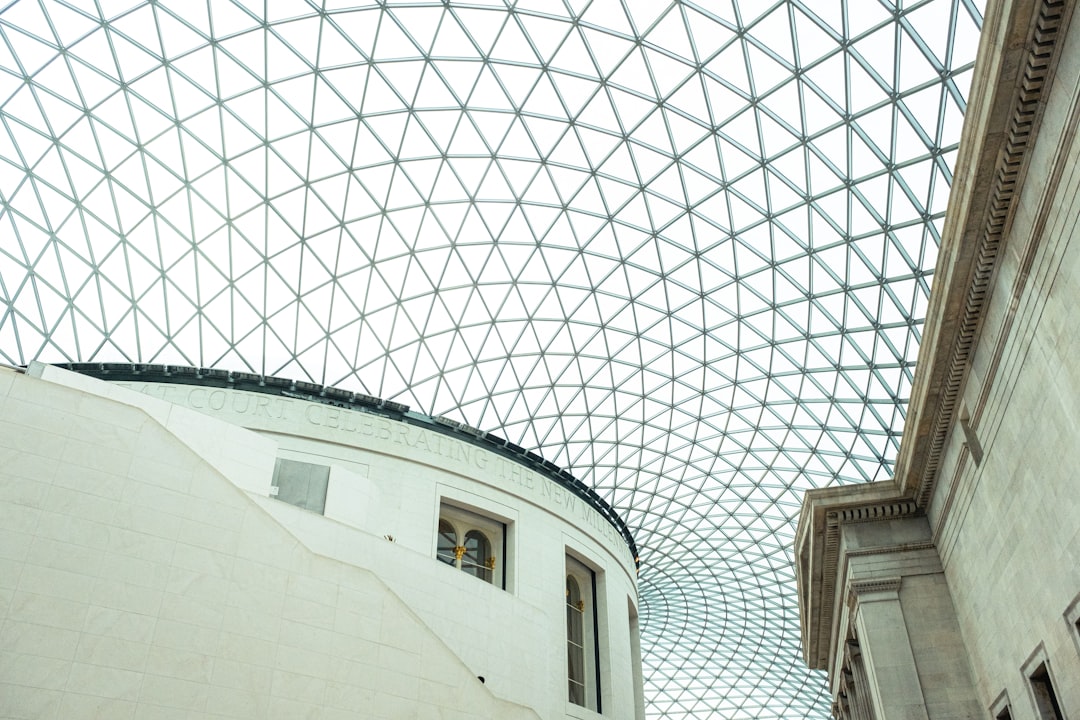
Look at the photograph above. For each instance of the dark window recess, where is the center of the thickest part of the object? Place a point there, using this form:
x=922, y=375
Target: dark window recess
x=301, y=484
x=1045, y=697
x=1004, y=714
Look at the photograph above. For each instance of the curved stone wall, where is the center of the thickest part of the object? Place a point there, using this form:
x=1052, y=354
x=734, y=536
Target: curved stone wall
x=387, y=482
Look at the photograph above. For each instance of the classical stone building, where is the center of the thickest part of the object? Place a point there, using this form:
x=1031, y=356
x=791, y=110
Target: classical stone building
x=953, y=591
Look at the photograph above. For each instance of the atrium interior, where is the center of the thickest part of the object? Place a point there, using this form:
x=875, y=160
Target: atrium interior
x=679, y=254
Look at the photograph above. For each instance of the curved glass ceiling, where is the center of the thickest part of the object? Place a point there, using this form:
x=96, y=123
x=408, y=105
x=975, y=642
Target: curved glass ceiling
x=682, y=250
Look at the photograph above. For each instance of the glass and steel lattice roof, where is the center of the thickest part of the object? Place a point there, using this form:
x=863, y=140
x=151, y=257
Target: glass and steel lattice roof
x=680, y=249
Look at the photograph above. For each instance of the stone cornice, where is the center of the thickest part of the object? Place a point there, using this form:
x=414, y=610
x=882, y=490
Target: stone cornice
x=861, y=588
x=1017, y=58
x=871, y=513
x=817, y=546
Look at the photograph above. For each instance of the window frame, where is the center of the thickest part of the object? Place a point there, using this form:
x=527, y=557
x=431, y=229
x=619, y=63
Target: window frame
x=1072, y=619
x=287, y=467
x=465, y=521
x=586, y=578
x=1001, y=708
x=577, y=643
x=1037, y=665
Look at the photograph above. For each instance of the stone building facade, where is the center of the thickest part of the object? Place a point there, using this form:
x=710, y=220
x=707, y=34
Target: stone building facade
x=952, y=590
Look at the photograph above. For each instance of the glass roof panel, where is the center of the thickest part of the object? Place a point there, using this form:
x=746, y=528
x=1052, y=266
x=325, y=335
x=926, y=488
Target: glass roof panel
x=680, y=249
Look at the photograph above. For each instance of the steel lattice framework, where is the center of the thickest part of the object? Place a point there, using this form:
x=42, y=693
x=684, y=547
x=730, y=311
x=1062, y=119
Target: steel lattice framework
x=680, y=249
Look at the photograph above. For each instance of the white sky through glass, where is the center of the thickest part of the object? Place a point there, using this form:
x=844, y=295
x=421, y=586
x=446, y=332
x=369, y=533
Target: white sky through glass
x=683, y=250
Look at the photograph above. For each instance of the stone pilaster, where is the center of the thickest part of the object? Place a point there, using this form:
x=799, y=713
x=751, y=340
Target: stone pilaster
x=854, y=661
x=895, y=690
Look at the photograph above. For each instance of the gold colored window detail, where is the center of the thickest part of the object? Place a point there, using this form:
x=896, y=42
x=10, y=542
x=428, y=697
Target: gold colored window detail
x=471, y=543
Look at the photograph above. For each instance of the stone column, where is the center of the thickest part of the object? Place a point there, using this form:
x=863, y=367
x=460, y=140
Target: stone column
x=895, y=690
x=858, y=674
x=847, y=691
x=842, y=710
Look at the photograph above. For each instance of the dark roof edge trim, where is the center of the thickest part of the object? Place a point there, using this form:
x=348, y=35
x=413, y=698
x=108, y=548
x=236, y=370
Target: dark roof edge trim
x=327, y=395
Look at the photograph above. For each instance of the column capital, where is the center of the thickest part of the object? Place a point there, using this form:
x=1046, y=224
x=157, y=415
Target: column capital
x=872, y=590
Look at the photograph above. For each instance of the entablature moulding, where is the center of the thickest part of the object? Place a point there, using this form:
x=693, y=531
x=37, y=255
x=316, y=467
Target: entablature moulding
x=826, y=586
x=1018, y=57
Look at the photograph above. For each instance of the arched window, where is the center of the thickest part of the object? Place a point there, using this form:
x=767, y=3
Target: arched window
x=582, y=648
x=471, y=543
x=575, y=641
x=478, y=559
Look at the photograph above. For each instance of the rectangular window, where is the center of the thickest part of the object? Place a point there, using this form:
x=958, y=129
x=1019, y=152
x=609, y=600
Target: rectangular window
x=582, y=630
x=472, y=543
x=1042, y=686
x=1001, y=709
x=301, y=484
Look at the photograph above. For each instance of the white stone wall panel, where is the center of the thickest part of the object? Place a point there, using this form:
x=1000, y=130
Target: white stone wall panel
x=144, y=572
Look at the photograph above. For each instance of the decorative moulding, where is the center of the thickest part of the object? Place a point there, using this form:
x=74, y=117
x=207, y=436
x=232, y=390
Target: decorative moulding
x=858, y=589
